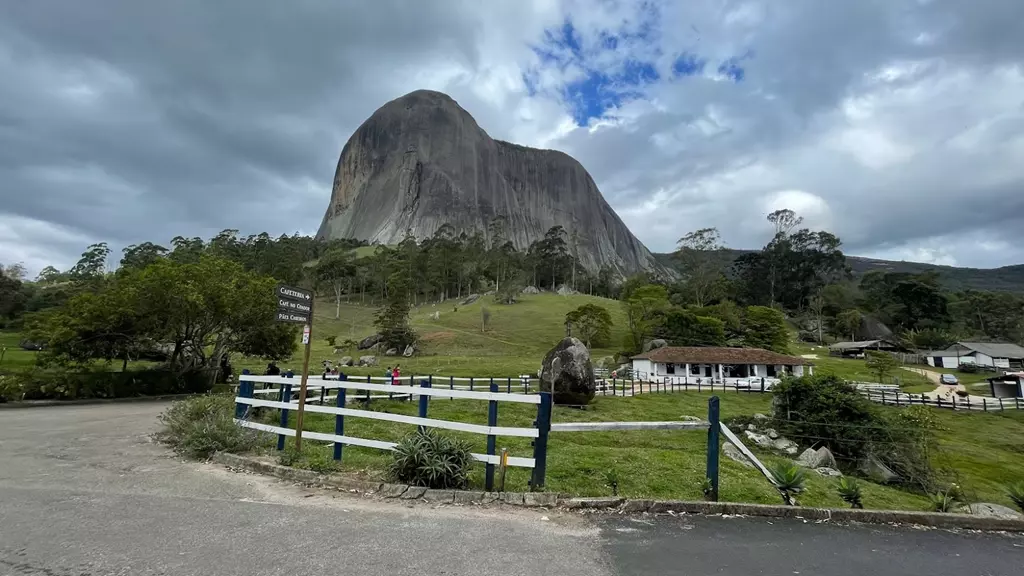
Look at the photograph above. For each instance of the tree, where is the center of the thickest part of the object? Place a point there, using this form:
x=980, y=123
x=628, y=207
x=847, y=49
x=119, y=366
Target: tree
x=817, y=307
x=336, y=267
x=697, y=254
x=592, y=323
x=881, y=363
x=141, y=255
x=643, y=313
x=392, y=318
x=847, y=323
x=92, y=264
x=784, y=221
x=766, y=328
x=684, y=328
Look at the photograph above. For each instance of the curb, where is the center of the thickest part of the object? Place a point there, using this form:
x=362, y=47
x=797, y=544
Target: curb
x=620, y=505
x=88, y=401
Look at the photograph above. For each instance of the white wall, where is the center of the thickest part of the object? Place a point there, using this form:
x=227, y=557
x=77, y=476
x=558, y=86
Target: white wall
x=641, y=367
x=1001, y=362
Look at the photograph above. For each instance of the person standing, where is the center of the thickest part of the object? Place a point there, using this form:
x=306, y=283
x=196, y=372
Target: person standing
x=396, y=375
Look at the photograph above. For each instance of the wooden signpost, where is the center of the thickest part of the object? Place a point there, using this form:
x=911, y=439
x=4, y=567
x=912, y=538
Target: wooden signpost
x=295, y=305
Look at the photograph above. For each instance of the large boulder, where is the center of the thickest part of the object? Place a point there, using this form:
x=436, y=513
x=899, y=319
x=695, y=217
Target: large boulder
x=565, y=290
x=531, y=290
x=409, y=351
x=369, y=341
x=873, y=468
x=653, y=344
x=367, y=360
x=820, y=458
x=345, y=361
x=470, y=299
x=391, y=352
x=989, y=510
x=733, y=453
x=568, y=373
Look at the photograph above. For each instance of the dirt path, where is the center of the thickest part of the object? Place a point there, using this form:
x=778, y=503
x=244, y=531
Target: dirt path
x=929, y=374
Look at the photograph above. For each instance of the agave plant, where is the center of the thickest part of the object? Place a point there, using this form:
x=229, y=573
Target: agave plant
x=426, y=458
x=849, y=491
x=1015, y=492
x=789, y=479
x=942, y=501
x=611, y=478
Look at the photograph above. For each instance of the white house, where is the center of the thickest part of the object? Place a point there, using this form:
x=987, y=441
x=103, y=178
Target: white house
x=713, y=364
x=993, y=354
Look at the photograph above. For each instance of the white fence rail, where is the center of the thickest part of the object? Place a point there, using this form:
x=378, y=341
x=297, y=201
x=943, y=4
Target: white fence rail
x=285, y=387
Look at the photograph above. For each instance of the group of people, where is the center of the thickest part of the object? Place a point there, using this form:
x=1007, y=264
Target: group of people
x=393, y=373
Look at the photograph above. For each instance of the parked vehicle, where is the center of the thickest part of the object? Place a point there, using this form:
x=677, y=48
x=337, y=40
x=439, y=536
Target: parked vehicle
x=949, y=380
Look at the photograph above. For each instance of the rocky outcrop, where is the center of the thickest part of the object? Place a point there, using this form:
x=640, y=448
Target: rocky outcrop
x=421, y=161
x=654, y=344
x=367, y=360
x=369, y=342
x=568, y=373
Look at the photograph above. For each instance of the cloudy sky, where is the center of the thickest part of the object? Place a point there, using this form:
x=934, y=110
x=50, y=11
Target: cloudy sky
x=897, y=124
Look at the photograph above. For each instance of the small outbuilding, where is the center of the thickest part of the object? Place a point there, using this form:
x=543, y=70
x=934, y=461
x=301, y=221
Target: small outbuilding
x=988, y=354
x=1009, y=385
x=716, y=364
x=858, y=349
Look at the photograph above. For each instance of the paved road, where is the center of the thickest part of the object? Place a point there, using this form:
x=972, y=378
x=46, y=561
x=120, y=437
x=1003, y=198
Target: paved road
x=83, y=491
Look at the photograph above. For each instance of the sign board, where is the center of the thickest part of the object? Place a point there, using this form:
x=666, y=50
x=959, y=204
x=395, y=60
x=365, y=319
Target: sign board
x=292, y=317
x=294, y=305
x=305, y=334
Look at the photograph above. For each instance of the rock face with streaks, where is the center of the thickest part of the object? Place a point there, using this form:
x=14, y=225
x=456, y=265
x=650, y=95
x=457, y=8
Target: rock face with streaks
x=421, y=161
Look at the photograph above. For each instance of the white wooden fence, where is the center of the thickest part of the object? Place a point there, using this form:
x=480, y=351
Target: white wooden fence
x=284, y=387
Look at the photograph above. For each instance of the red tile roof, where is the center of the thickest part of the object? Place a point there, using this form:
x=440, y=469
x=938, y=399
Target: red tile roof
x=714, y=355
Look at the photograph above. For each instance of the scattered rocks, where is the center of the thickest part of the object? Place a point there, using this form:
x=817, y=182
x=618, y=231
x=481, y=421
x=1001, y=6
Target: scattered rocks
x=531, y=290
x=369, y=341
x=759, y=439
x=367, y=360
x=785, y=445
x=772, y=433
x=761, y=418
x=409, y=351
x=751, y=427
x=565, y=290
x=567, y=371
x=811, y=458
x=470, y=299
x=345, y=361
x=988, y=510
x=654, y=344
x=391, y=352
x=828, y=472
x=733, y=453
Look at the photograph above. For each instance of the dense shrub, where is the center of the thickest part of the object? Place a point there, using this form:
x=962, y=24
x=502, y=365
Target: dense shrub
x=824, y=410
x=198, y=427
x=38, y=383
x=970, y=368
x=426, y=458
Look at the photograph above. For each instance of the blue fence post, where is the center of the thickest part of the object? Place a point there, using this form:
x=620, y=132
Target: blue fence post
x=286, y=393
x=508, y=386
x=492, y=420
x=245, y=390
x=451, y=385
x=339, y=421
x=368, y=381
x=424, y=399
x=540, y=444
x=714, y=429
x=470, y=383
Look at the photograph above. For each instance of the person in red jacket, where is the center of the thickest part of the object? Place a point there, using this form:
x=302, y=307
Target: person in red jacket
x=396, y=375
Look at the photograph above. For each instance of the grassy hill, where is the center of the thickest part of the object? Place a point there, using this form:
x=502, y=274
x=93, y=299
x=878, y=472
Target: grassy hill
x=1005, y=279
x=515, y=341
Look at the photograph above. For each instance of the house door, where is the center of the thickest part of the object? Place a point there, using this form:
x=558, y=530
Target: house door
x=938, y=361
x=707, y=370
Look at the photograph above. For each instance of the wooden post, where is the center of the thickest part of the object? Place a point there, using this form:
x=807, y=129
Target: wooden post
x=424, y=399
x=540, y=444
x=492, y=420
x=286, y=394
x=307, y=335
x=339, y=421
x=713, y=441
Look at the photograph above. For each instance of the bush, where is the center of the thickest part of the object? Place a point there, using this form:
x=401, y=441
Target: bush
x=1016, y=493
x=947, y=500
x=970, y=368
x=38, y=383
x=331, y=340
x=849, y=491
x=309, y=459
x=198, y=427
x=426, y=458
x=789, y=479
x=825, y=410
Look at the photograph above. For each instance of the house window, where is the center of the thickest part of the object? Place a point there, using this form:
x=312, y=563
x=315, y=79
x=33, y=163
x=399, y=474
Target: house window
x=670, y=368
x=695, y=369
x=771, y=371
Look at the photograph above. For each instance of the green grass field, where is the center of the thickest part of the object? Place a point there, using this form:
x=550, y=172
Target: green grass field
x=14, y=356
x=982, y=452
x=516, y=339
